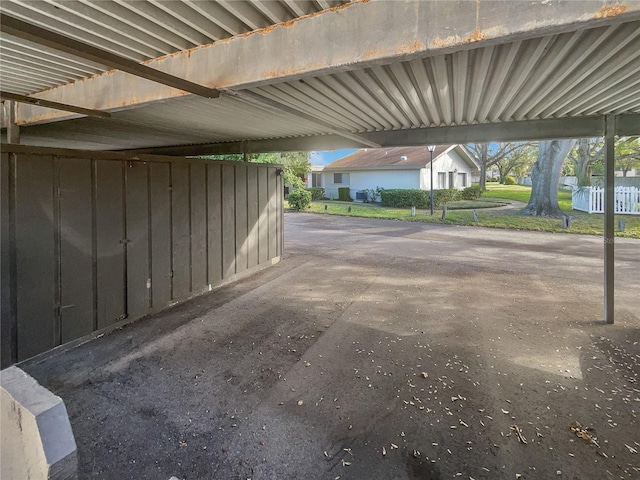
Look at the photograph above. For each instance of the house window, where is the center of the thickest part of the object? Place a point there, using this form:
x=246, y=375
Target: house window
x=442, y=180
x=316, y=179
x=462, y=179
x=452, y=179
x=341, y=178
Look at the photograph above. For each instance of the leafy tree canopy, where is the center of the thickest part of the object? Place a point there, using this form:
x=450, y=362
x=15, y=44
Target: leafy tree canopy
x=296, y=164
x=627, y=152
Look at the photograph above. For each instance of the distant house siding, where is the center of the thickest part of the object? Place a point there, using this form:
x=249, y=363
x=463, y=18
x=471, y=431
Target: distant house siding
x=371, y=179
x=450, y=170
x=449, y=166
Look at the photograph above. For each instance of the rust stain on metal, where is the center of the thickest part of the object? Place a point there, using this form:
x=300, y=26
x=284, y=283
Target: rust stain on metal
x=476, y=36
x=440, y=42
x=414, y=47
x=369, y=54
x=288, y=72
x=610, y=11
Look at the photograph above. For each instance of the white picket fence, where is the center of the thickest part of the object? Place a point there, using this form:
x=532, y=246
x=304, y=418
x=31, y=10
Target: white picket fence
x=591, y=200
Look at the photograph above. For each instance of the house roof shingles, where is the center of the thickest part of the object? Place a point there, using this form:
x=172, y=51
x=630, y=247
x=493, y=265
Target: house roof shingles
x=388, y=157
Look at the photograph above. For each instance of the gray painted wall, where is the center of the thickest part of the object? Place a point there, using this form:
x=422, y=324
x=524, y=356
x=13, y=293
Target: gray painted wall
x=93, y=239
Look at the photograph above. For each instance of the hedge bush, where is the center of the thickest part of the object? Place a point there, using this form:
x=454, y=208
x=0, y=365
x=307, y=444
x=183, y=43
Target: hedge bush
x=344, y=194
x=299, y=199
x=317, y=193
x=471, y=193
x=440, y=197
x=404, y=198
x=509, y=181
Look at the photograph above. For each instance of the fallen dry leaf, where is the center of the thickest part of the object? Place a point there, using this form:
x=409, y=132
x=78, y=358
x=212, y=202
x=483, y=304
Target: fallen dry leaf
x=583, y=433
x=519, y=434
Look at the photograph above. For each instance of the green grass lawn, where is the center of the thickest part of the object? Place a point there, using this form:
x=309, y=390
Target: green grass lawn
x=475, y=204
x=521, y=193
x=591, y=224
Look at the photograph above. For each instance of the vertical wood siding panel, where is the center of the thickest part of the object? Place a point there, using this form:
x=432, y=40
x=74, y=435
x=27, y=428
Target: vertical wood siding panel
x=160, y=195
x=110, y=234
x=279, y=215
x=273, y=212
x=198, y=227
x=242, y=246
x=263, y=211
x=7, y=317
x=252, y=214
x=181, y=230
x=228, y=221
x=76, y=248
x=214, y=223
x=137, y=247
x=35, y=255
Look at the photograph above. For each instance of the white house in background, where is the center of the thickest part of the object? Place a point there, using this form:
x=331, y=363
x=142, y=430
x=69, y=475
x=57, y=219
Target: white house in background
x=396, y=167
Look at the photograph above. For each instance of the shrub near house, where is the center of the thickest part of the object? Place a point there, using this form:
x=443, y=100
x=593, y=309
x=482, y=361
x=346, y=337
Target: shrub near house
x=405, y=198
x=299, y=199
x=344, y=194
x=317, y=193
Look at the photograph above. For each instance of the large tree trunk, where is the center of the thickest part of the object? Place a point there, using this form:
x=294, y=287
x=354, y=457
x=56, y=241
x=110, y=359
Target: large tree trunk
x=582, y=163
x=483, y=177
x=484, y=153
x=544, y=178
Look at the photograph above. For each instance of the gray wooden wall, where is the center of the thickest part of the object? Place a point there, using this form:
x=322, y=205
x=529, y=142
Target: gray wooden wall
x=93, y=239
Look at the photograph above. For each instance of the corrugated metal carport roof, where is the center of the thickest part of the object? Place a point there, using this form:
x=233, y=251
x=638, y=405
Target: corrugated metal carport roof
x=137, y=30
x=365, y=73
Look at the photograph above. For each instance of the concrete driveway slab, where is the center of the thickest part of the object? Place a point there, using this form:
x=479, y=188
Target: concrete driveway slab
x=375, y=350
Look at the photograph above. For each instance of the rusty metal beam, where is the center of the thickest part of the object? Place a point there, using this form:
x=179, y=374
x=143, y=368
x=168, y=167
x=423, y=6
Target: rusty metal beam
x=49, y=104
x=513, y=131
x=362, y=34
x=298, y=144
x=27, y=31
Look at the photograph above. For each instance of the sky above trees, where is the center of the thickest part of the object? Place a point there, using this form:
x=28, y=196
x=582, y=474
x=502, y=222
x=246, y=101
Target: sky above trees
x=326, y=157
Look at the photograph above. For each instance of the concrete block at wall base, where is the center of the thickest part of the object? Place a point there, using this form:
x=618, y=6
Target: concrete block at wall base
x=36, y=441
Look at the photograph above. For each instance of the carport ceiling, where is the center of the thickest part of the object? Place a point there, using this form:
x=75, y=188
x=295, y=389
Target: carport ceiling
x=324, y=74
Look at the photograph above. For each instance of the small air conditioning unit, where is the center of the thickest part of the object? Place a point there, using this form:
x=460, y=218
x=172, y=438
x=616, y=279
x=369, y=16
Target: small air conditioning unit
x=361, y=196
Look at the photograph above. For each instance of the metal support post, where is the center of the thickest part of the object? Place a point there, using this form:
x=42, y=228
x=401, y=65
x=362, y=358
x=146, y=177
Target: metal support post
x=13, y=130
x=431, y=149
x=609, y=211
